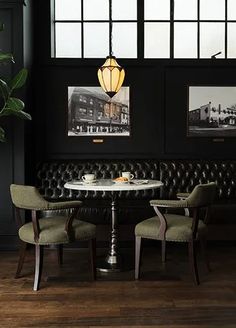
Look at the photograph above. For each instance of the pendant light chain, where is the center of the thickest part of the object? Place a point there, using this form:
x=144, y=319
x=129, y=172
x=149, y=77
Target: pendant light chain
x=110, y=28
x=111, y=75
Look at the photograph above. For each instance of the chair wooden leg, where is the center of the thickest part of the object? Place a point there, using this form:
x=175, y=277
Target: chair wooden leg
x=38, y=265
x=203, y=244
x=138, y=241
x=193, y=260
x=163, y=251
x=22, y=252
x=60, y=254
x=92, y=249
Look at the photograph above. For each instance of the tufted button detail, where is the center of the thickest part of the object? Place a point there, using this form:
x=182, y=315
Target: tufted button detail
x=183, y=175
x=52, y=175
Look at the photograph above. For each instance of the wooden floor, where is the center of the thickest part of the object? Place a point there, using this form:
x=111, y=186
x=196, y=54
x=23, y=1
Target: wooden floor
x=164, y=297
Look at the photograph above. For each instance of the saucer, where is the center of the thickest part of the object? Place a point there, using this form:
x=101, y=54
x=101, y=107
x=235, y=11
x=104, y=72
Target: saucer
x=89, y=182
x=139, y=182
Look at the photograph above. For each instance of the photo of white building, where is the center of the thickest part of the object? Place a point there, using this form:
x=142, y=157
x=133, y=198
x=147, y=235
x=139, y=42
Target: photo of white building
x=212, y=111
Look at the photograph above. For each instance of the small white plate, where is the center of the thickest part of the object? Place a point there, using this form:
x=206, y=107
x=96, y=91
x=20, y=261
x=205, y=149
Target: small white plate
x=120, y=182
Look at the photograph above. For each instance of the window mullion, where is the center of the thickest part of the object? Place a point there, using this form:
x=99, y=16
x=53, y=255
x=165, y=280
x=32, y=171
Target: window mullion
x=198, y=29
x=226, y=28
x=172, y=28
x=82, y=28
x=140, y=29
x=53, y=30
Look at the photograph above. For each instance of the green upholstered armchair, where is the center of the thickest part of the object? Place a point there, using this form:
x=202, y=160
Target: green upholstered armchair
x=178, y=228
x=53, y=230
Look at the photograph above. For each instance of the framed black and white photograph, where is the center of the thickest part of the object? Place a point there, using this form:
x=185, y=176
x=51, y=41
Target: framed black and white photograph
x=211, y=111
x=92, y=113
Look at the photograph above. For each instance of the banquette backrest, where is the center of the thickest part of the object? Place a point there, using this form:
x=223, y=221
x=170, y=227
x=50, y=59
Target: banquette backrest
x=52, y=175
x=176, y=175
x=183, y=175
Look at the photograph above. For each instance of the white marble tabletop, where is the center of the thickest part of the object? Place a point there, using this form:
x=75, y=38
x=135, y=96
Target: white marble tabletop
x=110, y=185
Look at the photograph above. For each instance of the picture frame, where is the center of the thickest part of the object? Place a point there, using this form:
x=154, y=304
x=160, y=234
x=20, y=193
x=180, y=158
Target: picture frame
x=91, y=112
x=211, y=111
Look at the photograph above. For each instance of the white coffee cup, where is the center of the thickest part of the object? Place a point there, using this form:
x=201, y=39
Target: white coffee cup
x=88, y=177
x=127, y=175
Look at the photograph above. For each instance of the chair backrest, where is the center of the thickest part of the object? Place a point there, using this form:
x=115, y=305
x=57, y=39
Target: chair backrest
x=27, y=197
x=202, y=195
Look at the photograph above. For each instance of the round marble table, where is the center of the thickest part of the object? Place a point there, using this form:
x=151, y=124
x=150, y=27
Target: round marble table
x=112, y=262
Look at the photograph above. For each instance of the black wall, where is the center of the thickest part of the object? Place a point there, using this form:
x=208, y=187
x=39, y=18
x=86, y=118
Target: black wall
x=16, y=39
x=158, y=94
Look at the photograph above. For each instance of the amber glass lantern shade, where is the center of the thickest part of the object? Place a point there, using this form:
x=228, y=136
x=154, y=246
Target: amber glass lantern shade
x=111, y=76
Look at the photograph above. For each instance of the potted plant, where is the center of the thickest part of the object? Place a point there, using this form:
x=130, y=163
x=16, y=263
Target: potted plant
x=10, y=105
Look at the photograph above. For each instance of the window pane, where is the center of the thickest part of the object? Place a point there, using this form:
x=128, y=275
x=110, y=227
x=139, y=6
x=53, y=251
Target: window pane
x=96, y=40
x=212, y=38
x=67, y=9
x=232, y=9
x=212, y=9
x=185, y=9
x=188, y=33
x=157, y=40
x=123, y=9
x=96, y=9
x=231, y=40
x=68, y=39
x=124, y=41
x=157, y=9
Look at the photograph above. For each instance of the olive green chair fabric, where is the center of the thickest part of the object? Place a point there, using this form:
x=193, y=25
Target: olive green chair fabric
x=175, y=227
x=179, y=228
x=29, y=198
x=52, y=230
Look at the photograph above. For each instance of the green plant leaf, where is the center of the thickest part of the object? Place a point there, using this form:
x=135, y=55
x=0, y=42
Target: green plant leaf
x=10, y=105
x=23, y=115
x=19, y=80
x=6, y=57
x=4, y=90
x=2, y=135
x=14, y=106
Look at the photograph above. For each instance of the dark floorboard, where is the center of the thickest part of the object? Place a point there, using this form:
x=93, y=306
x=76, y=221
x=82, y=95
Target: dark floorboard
x=164, y=297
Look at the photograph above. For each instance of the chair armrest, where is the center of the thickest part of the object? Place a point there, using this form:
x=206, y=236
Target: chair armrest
x=182, y=195
x=169, y=203
x=64, y=205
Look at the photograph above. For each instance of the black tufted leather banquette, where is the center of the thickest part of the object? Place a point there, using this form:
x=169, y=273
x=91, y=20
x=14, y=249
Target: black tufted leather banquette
x=176, y=175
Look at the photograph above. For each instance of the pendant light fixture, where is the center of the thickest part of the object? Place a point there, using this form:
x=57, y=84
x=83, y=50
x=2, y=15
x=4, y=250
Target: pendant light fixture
x=111, y=75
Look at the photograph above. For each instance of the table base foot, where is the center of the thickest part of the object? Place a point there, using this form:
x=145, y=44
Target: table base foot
x=110, y=264
x=123, y=263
